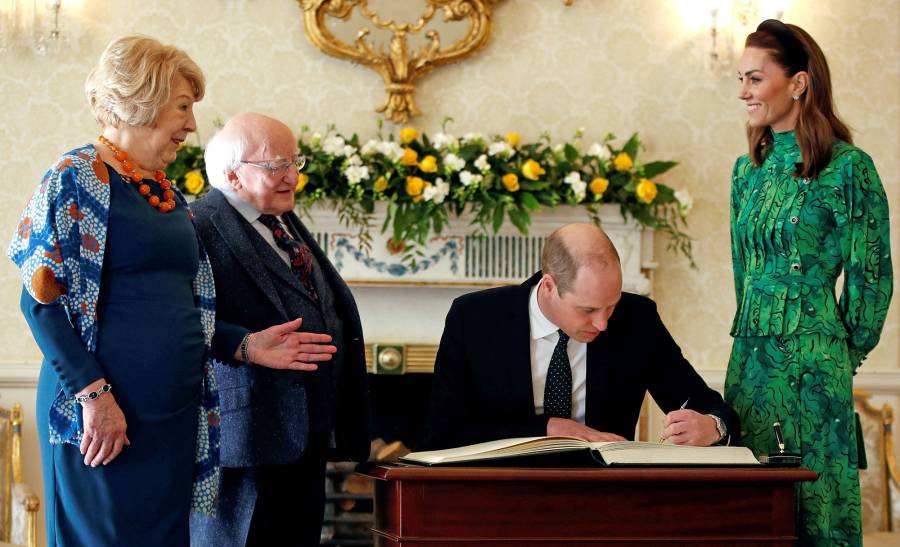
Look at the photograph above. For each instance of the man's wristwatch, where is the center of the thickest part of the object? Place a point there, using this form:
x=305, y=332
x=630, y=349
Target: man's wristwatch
x=720, y=427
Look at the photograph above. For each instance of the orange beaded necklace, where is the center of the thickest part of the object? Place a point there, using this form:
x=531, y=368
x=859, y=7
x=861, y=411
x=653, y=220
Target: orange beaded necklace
x=163, y=205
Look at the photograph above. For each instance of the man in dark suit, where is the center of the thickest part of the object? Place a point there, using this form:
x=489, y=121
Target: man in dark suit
x=566, y=353
x=278, y=427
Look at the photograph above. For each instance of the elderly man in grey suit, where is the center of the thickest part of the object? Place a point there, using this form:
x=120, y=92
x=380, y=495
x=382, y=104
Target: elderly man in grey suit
x=278, y=427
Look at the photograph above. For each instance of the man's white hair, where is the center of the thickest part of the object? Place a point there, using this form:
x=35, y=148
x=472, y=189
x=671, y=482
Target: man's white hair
x=223, y=156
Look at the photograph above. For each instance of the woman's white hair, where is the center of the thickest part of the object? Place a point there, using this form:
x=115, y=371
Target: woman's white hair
x=134, y=79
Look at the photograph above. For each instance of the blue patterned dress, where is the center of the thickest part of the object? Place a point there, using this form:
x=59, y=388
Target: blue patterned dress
x=796, y=347
x=142, y=320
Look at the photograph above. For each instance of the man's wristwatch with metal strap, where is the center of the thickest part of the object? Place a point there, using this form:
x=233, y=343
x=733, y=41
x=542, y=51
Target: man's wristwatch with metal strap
x=720, y=427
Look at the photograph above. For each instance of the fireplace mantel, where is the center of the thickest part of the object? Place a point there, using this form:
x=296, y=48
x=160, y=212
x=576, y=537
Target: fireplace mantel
x=458, y=258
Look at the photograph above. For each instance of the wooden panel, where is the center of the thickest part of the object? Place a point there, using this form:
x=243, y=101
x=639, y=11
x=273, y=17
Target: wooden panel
x=505, y=506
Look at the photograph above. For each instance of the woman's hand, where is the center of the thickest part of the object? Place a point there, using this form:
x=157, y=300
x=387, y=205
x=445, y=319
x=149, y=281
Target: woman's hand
x=104, y=427
x=281, y=347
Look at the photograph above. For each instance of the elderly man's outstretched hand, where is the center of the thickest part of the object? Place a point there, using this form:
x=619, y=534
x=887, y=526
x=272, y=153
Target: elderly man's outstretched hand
x=282, y=347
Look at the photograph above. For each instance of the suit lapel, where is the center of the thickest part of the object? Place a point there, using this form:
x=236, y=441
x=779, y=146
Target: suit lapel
x=518, y=363
x=236, y=232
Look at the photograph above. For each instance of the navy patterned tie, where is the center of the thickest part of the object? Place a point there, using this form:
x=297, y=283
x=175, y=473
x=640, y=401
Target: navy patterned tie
x=558, y=389
x=298, y=252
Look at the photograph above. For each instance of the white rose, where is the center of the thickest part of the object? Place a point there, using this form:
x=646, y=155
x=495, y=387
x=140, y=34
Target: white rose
x=502, y=149
x=685, y=201
x=315, y=139
x=482, y=164
x=369, y=148
x=443, y=140
x=599, y=151
x=390, y=149
x=354, y=160
x=578, y=188
x=467, y=178
x=437, y=192
x=333, y=145
x=356, y=173
x=453, y=163
x=572, y=179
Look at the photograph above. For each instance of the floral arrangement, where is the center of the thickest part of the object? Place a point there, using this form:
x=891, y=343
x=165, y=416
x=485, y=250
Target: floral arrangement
x=424, y=179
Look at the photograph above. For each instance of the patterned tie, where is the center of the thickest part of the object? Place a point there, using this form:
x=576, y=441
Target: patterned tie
x=298, y=252
x=558, y=389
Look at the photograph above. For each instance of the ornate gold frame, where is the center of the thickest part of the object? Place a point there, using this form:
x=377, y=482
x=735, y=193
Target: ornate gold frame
x=399, y=67
x=891, y=472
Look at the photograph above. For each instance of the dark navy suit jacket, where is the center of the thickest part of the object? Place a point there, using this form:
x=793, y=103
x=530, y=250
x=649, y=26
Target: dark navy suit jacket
x=482, y=386
x=265, y=414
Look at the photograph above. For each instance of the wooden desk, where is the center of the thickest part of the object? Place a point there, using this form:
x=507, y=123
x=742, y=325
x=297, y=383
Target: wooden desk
x=421, y=506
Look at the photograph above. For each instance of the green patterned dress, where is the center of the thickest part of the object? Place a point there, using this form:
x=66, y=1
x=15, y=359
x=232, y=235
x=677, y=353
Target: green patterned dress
x=796, y=347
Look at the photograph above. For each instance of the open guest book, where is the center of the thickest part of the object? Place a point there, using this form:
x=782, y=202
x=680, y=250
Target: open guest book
x=622, y=453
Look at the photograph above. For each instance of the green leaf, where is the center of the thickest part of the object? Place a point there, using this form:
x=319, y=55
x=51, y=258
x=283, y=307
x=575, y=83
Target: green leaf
x=655, y=168
x=571, y=152
x=533, y=186
x=529, y=201
x=520, y=219
x=498, y=217
x=631, y=147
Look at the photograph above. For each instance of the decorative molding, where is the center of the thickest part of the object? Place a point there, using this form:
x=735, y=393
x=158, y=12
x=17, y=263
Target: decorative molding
x=459, y=258
x=420, y=359
x=19, y=375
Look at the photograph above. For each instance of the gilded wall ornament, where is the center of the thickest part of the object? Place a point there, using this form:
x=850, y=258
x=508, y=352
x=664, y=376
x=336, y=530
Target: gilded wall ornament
x=398, y=64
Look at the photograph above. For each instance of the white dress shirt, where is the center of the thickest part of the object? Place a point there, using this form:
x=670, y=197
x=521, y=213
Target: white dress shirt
x=251, y=214
x=544, y=336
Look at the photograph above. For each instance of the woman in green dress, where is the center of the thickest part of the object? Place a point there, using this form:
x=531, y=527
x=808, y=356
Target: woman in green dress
x=806, y=205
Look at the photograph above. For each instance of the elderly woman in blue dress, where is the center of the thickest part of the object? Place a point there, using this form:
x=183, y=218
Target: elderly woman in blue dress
x=119, y=296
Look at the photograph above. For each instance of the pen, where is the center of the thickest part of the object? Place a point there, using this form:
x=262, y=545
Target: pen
x=682, y=407
x=779, y=438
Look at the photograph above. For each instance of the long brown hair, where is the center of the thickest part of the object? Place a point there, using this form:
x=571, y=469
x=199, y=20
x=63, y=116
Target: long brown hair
x=818, y=125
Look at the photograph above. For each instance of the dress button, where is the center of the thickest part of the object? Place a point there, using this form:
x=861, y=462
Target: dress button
x=794, y=220
x=795, y=266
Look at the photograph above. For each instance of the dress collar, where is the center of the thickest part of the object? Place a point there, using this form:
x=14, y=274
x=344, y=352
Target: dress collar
x=785, y=144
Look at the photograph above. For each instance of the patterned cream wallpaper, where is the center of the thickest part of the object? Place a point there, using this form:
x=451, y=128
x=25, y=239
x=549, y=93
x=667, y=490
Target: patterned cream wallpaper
x=601, y=64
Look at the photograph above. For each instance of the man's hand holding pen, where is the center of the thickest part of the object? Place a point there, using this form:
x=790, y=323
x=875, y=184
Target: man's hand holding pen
x=685, y=426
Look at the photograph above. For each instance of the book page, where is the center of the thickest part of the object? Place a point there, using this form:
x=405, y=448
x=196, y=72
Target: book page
x=632, y=452
x=498, y=449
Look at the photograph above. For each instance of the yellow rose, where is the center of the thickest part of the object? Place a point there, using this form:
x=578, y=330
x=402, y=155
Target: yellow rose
x=646, y=190
x=532, y=170
x=381, y=184
x=194, y=181
x=512, y=139
x=410, y=157
x=408, y=134
x=599, y=185
x=511, y=182
x=302, y=179
x=414, y=186
x=420, y=197
x=623, y=162
x=428, y=164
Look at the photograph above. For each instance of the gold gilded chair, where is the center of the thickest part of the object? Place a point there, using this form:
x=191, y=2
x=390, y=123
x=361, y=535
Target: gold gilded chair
x=18, y=504
x=880, y=482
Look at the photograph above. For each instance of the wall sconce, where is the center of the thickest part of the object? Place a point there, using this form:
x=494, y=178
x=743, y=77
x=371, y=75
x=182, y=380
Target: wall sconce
x=728, y=23
x=47, y=35
x=33, y=24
